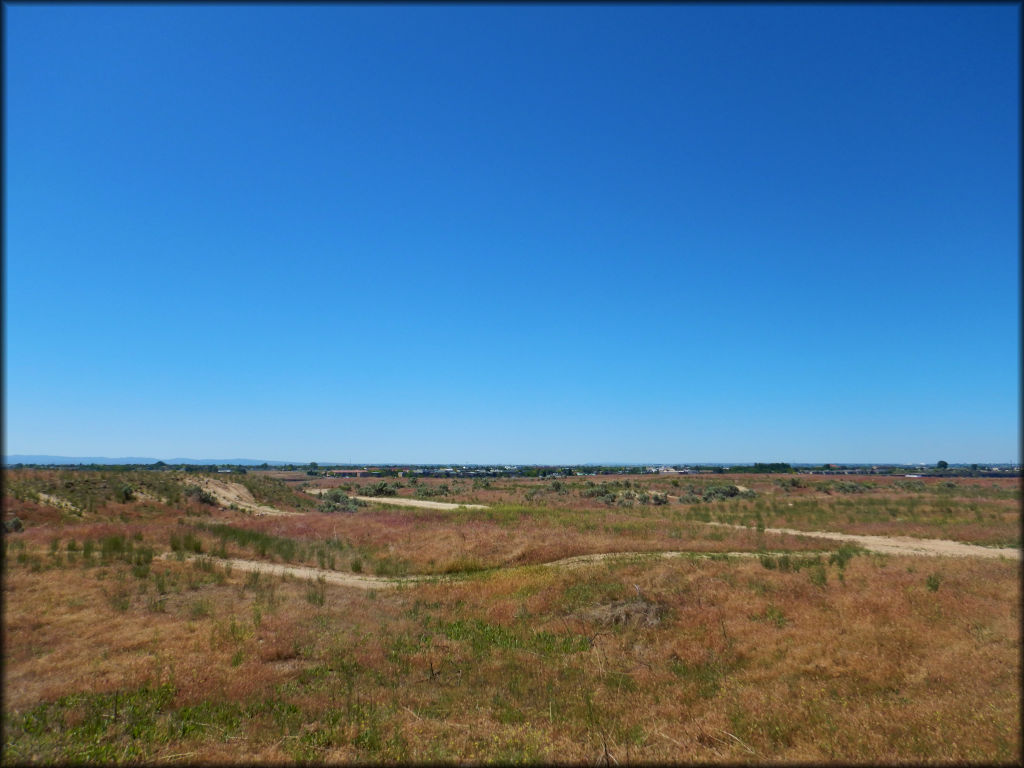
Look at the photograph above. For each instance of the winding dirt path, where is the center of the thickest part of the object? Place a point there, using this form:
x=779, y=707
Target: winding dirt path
x=360, y=581
x=890, y=545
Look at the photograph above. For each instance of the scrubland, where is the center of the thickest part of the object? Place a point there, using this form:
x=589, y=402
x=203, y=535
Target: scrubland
x=128, y=636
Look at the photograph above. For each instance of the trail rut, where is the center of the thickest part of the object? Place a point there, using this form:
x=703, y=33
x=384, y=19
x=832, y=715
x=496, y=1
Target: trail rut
x=900, y=545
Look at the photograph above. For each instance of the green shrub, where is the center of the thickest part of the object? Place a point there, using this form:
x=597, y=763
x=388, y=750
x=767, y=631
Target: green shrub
x=382, y=488
x=843, y=555
x=845, y=486
x=338, y=501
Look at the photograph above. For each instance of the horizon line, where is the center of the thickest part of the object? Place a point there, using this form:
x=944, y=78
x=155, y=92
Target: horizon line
x=23, y=458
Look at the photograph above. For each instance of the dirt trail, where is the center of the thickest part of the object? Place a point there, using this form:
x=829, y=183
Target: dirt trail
x=401, y=501
x=234, y=493
x=306, y=572
x=900, y=545
x=384, y=582
x=571, y=562
x=889, y=545
x=359, y=581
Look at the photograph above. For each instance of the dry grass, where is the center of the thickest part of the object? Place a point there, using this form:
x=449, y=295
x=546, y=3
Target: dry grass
x=976, y=510
x=870, y=659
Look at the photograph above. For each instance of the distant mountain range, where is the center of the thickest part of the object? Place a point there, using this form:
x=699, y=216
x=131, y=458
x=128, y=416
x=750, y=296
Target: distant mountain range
x=20, y=458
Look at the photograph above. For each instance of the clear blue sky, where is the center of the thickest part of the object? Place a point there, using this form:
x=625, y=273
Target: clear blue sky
x=513, y=234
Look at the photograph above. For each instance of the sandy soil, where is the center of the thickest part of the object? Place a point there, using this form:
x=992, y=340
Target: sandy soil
x=403, y=502
x=57, y=501
x=228, y=493
x=901, y=545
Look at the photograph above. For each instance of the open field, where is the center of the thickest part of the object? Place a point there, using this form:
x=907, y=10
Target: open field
x=158, y=623
x=982, y=511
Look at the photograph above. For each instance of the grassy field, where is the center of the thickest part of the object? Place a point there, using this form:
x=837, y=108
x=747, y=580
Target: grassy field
x=128, y=637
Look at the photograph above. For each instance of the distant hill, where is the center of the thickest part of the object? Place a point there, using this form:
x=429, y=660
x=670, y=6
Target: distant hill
x=19, y=458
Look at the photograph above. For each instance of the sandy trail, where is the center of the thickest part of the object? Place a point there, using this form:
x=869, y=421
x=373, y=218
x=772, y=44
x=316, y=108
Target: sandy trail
x=402, y=501
x=306, y=572
x=900, y=545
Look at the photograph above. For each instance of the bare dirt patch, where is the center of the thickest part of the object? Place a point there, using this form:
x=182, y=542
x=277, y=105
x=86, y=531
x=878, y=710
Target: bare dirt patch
x=228, y=494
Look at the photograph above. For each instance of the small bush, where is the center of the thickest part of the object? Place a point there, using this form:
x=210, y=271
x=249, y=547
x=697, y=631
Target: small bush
x=844, y=486
x=338, y=501
x=382, y=488
x=843, y=555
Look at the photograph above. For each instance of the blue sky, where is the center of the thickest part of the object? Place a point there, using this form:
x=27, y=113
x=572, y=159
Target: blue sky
x=456, y=233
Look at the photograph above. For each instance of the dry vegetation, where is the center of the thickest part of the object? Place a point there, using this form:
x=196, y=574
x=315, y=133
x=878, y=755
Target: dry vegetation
x=982, y=511
x=127, y=638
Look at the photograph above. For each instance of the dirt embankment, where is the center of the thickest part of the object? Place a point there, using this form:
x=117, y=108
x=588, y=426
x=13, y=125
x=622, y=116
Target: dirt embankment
x=228, y=494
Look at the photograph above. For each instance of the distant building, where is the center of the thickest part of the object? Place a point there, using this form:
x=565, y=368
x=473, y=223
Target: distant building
x=347, y=472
